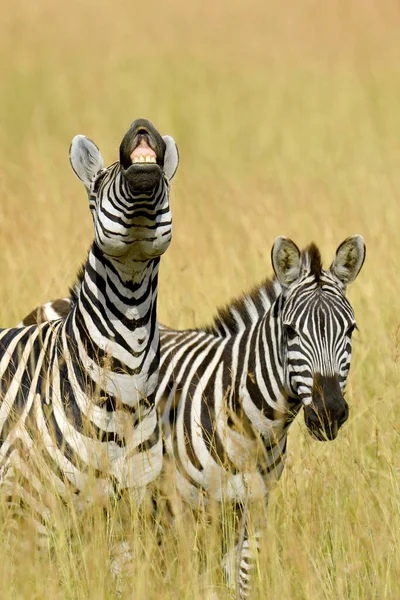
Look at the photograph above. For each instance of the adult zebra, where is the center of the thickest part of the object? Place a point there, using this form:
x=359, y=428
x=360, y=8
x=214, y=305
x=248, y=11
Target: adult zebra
x=77, y=412
x=228, y=393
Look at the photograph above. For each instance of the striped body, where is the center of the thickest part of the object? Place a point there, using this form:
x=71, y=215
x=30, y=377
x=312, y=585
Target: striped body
x=227, y=397
x=77, y=412
x=228, y=393
x=224, y=417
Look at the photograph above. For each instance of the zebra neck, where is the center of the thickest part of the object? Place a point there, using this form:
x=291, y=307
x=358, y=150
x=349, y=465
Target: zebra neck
x=264, y=399
x=108, y=291
x=113, y=328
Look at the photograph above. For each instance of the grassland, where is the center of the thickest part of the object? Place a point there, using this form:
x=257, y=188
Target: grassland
x=287, y=118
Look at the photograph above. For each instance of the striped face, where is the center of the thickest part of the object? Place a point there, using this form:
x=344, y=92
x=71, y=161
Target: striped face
x=317, y=325
x=129, y=200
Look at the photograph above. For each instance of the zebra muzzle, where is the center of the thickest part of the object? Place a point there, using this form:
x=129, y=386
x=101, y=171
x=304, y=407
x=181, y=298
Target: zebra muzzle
x=328, y=410
x=142, y=154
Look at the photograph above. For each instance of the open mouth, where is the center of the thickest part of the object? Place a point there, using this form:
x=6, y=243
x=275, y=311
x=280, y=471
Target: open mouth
x=142, y=153
x=142, y=145
x=142, y=150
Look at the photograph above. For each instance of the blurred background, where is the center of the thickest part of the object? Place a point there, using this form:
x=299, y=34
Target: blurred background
x=287, y=120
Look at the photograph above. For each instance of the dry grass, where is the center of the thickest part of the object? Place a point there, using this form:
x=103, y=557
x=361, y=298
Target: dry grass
x=287, y=119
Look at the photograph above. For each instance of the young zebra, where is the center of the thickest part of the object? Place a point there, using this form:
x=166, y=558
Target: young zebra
x=228, y=393
x=77, y=400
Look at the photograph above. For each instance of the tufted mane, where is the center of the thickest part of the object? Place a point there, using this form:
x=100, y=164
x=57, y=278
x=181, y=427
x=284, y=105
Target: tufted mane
x=312, y=257
x=74, y=289
x=245, y=310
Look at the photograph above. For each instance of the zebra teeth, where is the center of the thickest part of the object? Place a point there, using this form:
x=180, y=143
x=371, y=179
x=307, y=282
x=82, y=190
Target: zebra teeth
x=142, y=158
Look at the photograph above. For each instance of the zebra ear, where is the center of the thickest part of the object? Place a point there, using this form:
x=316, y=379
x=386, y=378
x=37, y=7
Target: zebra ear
x=285, y=257
x=85, y=159
x=349, y=259
x=171, y=157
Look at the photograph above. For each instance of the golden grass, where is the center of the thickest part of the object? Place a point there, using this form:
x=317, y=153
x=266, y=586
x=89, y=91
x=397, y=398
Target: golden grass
x=287, y=120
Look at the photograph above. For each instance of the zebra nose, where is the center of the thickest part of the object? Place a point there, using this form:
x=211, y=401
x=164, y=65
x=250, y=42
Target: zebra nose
x=328, y=410
x=343, y=414
x=322, y=425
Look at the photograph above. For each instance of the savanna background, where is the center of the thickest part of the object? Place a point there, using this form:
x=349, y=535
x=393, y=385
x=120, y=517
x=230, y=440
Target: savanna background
x=287, y=118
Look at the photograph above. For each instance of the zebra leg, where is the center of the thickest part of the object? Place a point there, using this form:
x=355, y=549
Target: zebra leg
x=127, y=507
x=246, y=560
x=239, y=563
x=121, y=561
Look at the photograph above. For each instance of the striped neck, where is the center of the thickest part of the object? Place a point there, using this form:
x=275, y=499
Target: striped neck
x=113, y=326
x=263, y=391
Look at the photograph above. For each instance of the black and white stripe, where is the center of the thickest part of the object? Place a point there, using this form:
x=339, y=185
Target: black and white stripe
x=77, y=395
x=228, y=393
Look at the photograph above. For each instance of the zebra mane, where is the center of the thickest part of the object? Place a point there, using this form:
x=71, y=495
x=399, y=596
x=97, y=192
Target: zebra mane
x=75, y=288
x=311, y=258
x=245, y=310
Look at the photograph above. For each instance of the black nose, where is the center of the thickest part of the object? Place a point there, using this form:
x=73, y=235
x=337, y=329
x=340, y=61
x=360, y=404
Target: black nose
x=343, y=415
x=328, y=410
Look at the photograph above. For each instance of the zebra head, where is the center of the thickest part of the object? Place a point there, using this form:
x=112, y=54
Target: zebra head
x=129, y=200
x=317, y=322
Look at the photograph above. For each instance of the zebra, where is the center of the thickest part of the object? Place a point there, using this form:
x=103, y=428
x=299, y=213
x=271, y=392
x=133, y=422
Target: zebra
x=228, y=393
x=77, y=395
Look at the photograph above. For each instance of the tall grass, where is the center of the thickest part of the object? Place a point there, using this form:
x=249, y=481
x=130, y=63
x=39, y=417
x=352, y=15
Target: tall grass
x=287, y=120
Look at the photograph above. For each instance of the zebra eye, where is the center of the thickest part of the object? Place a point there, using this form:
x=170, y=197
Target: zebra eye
x=351, y=329
x=290, y=332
